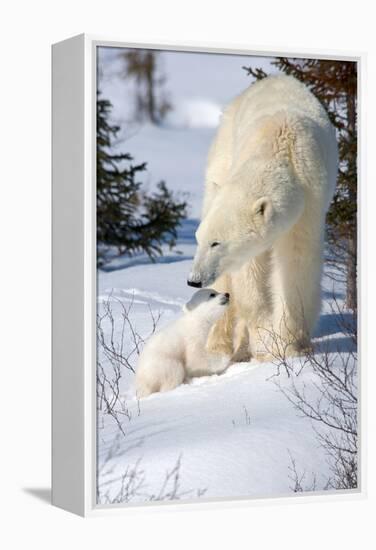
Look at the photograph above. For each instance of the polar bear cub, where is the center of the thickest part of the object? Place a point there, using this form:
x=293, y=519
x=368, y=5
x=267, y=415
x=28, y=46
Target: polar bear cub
x=178, y=352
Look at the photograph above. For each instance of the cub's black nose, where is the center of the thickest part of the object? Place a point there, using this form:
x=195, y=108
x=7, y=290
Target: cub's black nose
x=194, y=283
x=227, y=295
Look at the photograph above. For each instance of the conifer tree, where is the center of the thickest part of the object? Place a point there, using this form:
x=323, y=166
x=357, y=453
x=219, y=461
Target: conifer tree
x=129, y=220
x=334, y=83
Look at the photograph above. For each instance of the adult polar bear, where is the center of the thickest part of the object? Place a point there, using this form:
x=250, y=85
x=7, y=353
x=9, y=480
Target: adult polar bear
x=270, y=178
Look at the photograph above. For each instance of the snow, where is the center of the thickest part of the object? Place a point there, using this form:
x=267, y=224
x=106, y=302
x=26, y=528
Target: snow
x=223, y=436
x=233, y=433
x=195, y=113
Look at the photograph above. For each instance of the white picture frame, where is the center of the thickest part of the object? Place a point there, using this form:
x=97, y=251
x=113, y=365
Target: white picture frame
x=74, y=272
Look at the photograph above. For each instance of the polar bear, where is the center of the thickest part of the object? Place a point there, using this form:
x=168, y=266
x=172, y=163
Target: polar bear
x=270, y=177
x=178, y=352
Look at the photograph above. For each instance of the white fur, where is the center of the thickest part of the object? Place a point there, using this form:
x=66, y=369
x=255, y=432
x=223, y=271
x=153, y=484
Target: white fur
x=270, y=178
x=178, y=352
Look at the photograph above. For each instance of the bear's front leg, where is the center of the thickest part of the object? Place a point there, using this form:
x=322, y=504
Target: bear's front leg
x=220, y=336
x=220, y=339
x=254, y=308
x=242, y=352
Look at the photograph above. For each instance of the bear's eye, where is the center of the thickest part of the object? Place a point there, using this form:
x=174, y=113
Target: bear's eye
x=215, y=243
x=212, y=295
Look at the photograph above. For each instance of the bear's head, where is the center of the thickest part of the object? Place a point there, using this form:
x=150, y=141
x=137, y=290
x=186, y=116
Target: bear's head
x=207, y=303
x=236, y=229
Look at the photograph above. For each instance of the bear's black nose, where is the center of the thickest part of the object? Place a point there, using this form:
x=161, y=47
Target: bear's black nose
x=196, y=284
x=227, y=295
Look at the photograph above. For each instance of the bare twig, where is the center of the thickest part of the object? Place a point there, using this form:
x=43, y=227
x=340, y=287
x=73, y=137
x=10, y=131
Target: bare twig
x=116, y=356
x=133, y=486
x=334, y=408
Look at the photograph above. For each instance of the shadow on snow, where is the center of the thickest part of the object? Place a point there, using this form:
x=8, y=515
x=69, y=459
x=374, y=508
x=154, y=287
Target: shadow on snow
x=185, y=236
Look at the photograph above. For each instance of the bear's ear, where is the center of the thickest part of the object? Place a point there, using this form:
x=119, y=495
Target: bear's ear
x=263, y=207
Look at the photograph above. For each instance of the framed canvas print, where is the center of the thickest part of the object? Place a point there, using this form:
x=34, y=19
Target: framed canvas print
x=205, y=275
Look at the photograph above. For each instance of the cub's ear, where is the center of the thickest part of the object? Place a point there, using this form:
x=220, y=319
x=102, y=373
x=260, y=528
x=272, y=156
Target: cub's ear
x=263, y=207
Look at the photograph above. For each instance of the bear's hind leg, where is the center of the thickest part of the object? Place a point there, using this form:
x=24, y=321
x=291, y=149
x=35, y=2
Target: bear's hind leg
x=173, y=375
x=297, y=286
x=165, y=375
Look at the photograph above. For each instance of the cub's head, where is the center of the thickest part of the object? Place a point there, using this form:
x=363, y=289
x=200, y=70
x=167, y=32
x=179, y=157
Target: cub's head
x=232, y=232
x=208, y=303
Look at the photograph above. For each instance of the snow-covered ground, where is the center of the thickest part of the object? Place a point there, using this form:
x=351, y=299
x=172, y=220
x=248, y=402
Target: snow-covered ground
x=231, y=435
